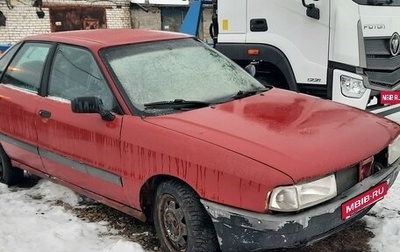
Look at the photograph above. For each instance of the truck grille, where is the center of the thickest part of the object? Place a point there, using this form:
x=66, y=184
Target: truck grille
x=383, y=70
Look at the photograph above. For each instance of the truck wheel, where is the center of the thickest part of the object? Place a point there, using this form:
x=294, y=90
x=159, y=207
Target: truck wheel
x=9, y=175
x=180, y=220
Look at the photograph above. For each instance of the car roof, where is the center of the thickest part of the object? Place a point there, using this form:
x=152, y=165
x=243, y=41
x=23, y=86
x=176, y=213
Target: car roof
x=106, y=37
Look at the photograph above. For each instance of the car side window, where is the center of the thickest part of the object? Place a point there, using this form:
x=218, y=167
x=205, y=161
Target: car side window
x=26, y=69
x=6, y=57
x=74, y=73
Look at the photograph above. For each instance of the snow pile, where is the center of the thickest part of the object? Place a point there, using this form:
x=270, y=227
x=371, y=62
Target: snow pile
x=384, y=221
x=31, y=222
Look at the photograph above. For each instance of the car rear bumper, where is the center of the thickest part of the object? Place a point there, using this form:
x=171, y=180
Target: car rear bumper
x=240, y=230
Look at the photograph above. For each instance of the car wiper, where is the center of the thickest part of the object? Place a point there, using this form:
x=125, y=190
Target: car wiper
x=176, y=104
x=242, y=94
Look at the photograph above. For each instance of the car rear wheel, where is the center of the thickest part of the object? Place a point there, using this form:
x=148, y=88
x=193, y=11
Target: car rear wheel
x=180, y=220
x=9, y=175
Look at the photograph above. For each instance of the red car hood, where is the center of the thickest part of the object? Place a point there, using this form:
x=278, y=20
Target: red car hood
x=300, y=135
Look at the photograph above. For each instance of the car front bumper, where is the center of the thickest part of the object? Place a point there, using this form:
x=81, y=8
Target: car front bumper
x=241, y=230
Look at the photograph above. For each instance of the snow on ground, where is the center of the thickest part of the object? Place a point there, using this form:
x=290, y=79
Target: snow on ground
x=31, y=222
x=384, y=221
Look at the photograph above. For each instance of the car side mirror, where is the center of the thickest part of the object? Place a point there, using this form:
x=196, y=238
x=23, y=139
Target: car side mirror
x=91, y=104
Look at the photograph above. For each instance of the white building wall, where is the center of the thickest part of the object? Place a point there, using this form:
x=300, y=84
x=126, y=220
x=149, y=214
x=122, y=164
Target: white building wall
x=22, y=19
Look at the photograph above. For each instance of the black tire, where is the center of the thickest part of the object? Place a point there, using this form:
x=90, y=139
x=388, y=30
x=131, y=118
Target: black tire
x=9, y=175
x=180, y=220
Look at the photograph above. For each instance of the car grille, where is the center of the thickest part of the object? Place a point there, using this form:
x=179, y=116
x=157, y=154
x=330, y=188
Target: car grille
x=383, y=70
x=346, y=178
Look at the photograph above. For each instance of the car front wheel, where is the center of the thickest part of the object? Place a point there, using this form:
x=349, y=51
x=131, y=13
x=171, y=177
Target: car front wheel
x=180, y=220
x=9, y=175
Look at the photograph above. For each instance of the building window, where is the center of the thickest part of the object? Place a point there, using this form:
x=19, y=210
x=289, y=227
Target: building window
x=172, y=18
x=77, y=18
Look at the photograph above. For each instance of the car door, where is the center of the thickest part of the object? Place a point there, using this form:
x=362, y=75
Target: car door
x=19, y=97
x=81, y=149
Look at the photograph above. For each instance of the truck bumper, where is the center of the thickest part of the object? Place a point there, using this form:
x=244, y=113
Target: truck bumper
x=240, y=230
x=391, y=112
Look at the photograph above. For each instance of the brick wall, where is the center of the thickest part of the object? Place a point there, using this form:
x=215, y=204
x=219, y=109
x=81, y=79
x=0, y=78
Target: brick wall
x=22, y=19
x=204, y=33
x=152, y=20
x=146, y=20
x=118, y=17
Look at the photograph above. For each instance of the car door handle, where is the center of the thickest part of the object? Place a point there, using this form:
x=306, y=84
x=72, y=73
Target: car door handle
x=45, y=113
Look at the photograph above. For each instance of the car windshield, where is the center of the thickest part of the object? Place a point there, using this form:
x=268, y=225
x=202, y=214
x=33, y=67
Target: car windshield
x=176, y=73
x=379, y=2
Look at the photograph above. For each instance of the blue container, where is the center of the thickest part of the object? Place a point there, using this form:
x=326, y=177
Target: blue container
x=4, y=47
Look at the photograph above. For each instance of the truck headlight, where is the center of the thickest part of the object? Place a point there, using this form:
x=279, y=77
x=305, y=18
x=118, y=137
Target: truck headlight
x=352, y=87
x=297, y=197
x=394, y=150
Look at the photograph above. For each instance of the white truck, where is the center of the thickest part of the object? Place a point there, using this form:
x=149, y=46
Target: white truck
x=344, y=50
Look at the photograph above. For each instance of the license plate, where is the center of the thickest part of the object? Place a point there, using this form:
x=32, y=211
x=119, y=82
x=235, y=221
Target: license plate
x=363, y=200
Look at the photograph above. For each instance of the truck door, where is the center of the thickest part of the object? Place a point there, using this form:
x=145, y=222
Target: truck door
x=302, y=40
x=232, y=20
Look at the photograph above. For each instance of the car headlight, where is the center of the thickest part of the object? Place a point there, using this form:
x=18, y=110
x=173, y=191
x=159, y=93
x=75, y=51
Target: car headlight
x=394, y=150
x=352, y=87
x=297, y=197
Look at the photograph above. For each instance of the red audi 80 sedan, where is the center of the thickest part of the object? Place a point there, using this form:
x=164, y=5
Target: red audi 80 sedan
x=166, y=129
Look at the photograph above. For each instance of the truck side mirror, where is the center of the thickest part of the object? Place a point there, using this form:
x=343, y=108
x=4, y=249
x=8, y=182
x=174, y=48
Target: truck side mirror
x=312, y=11
x=251, y=69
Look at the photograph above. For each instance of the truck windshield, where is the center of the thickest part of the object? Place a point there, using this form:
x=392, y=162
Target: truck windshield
x=379, y=2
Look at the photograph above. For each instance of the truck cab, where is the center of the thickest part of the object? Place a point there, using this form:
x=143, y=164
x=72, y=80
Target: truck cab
x=344, y=50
